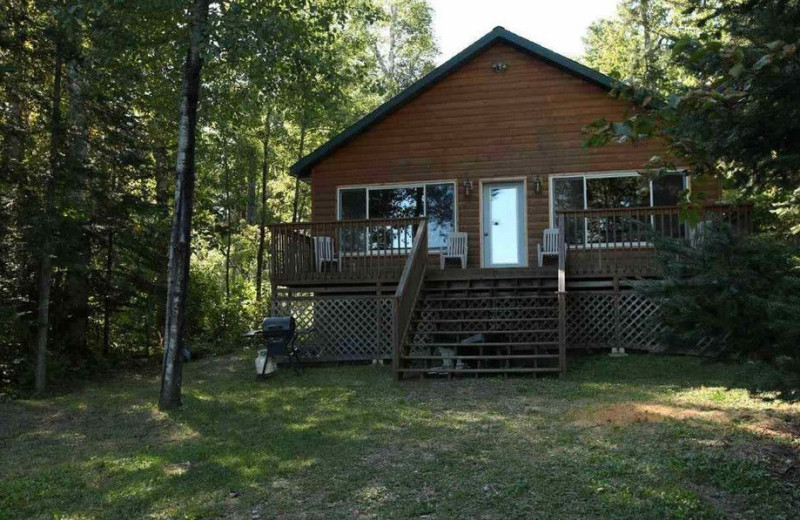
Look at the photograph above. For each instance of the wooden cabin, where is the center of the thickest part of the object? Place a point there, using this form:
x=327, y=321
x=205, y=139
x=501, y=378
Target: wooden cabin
x=482, y=157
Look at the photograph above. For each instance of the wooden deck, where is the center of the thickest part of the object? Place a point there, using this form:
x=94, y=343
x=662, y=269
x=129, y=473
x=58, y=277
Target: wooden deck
x=384, y=297
x=608, y=242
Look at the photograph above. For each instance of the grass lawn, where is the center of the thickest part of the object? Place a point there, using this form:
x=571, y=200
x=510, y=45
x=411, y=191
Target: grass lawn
x=636, y=437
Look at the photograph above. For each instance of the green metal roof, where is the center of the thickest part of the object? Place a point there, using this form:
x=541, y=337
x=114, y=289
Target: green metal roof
x=302, y=168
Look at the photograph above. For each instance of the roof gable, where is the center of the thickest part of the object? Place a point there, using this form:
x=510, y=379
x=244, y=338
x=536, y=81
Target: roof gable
x=302, y=168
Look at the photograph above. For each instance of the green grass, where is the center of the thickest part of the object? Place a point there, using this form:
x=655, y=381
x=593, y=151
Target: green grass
x=636, y=437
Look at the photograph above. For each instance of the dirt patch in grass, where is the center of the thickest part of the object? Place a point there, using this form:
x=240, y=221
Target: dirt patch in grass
x=630, y=413
x=729, y=504
x=786, y=427
x=778, y=447
x=382, y=458
x=780, y=458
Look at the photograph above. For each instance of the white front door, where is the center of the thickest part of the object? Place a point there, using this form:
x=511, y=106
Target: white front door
x=503, y=224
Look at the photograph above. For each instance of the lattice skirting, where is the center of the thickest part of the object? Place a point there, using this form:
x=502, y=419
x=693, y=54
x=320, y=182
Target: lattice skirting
x=360, y=328
x=613, y=319
x=345, y=328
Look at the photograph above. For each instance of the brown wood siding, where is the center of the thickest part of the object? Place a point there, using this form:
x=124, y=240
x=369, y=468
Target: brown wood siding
x=481, y=125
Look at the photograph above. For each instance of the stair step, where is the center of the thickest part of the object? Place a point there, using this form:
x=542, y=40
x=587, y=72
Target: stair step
x=473, y=320
x=502, y=344
x=456, y=275
x=487, y=289
x=478, y=370
x=473, y=332
x=486, y=358
x=488, y=309
x=552, y=296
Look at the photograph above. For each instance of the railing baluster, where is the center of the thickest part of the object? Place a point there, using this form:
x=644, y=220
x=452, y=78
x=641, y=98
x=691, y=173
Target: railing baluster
x=632, y=228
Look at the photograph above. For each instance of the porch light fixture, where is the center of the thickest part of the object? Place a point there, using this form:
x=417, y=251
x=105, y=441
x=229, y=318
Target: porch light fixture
x=467, y=187
x=537, y=185
x=499, y=66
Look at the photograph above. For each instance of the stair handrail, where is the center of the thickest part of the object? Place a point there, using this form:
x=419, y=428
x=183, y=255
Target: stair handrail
x=408, y=288
x=562, y=294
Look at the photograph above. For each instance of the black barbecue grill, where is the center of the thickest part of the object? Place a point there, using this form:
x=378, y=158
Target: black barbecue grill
x=280, y=336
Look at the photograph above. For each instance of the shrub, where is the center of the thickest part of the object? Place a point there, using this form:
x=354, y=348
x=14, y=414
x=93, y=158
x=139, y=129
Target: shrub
x=730, y=295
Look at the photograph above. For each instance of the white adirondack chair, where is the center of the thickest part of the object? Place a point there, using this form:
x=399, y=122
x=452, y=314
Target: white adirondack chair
x=549, y=246
x=323, y=252
x=698, y=232
x=456, y=248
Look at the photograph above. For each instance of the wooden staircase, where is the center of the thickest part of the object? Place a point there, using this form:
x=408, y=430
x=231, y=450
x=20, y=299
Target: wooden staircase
x=515, y=311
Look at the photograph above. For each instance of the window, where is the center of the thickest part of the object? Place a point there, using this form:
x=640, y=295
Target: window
x=568, y=194
x=436, y=201
x=440, y=208
x=667, y=189
x=617, y=192
x=606, y=191
x=352, y=204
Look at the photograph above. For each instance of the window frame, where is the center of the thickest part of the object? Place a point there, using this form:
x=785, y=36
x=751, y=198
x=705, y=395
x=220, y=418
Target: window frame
x=687, y=185
x=383, y=186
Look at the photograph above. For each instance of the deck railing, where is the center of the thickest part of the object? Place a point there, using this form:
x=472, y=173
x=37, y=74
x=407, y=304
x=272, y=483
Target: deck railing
x=639, y=228
x=342, y=250
x=407, y=292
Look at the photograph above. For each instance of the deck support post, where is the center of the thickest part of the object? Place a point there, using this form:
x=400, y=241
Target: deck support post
x=395, y=342
x=617, y=349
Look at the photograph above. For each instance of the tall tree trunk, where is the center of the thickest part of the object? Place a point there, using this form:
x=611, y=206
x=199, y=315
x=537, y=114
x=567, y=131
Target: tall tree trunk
x=644, y=5
x=180, y=240
x=46, y=268
x=228, y=221
x=228, y=263
x=15, y=126
x=251, y=197
x=77, y=282
x=300, y=154
x=262, y=225
x=13, y=136
x=108, y=288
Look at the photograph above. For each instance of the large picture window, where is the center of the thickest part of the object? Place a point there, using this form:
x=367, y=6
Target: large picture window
x=436, y=201
x=609, y=191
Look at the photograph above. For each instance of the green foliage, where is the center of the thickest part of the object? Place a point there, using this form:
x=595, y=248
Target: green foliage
x=402, y=44
x=280, y=77
x=738, y=116
x=218, y=315
x=730, y=295
x=634, y=46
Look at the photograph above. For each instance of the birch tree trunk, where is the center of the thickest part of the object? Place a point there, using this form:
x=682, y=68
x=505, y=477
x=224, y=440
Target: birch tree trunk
x=46, y=266
x=251, y=197
x=644, y=5
x=107, y=295
x=77, y=280
x=228, y=231
x=228, y=221
x=179, y=250
x=263, y=217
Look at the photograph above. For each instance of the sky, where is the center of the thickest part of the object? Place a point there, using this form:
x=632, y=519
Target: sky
x=555, y=24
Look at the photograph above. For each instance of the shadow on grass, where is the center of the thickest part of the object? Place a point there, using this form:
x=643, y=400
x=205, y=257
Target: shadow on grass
x=347, y=442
